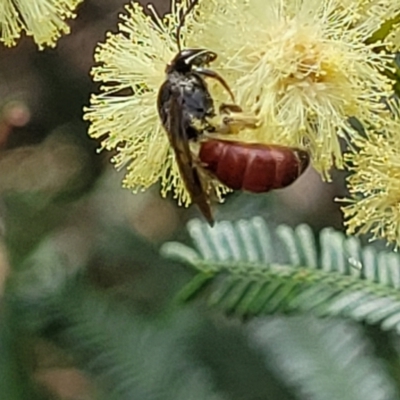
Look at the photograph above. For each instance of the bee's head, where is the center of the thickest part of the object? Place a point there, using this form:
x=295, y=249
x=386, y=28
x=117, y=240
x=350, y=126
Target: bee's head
x=186, y=59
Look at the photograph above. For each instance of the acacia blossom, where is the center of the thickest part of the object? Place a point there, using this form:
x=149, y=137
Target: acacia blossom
x=124, y=114
x=302, y=66
x=44, y=20
x=374, y=184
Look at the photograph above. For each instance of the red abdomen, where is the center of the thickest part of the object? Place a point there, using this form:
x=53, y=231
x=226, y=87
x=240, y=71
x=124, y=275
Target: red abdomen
x=253, y=167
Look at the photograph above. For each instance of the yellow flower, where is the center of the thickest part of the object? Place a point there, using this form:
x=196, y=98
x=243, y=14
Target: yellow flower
x=41, y=19
x=124, y=114
x=302, y=66
x=394, y=37
x=379, y=10
x=384, y=16
x=374, y=185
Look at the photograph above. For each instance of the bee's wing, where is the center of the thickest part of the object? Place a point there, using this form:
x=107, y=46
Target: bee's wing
x=189, y=173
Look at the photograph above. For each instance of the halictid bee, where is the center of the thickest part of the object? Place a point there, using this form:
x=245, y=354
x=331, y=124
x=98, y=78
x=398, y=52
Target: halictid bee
x=186, y=109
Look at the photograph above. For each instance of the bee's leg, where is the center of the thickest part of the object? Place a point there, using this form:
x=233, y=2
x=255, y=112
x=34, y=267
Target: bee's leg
x=226, y=108
x=208, y=73
x=233, y=119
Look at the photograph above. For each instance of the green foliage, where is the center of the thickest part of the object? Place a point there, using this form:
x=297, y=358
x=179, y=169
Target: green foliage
x=249, y=271
x=180, y=351
x=324, y=359
x=15, y=382
x=131, y=356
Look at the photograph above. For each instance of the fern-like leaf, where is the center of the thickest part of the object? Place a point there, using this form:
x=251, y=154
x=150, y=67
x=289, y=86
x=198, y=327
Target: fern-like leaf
x=133, y=357
x=323, y=359
x=255, y=272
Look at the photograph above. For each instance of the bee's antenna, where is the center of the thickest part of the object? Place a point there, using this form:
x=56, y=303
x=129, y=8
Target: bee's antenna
x=182, y=21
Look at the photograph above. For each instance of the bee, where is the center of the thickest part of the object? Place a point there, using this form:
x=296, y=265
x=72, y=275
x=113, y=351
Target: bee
x=186, y=109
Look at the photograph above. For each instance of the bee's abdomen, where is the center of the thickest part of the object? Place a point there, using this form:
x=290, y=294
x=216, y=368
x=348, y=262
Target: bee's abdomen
x=256, y=168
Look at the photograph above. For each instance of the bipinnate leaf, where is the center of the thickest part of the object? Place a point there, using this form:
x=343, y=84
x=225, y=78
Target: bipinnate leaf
x=251, y=271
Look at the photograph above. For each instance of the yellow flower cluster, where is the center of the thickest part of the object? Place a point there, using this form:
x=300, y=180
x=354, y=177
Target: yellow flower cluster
x=374, y=185
x=124, y=115
x=386, y=13
x=303, y=67
x=41, y=19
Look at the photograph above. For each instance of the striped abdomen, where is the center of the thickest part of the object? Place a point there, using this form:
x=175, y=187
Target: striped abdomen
x=253, y=167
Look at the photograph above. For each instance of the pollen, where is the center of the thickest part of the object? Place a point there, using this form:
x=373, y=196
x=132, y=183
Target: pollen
x=44, y=20
x=302, y=66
